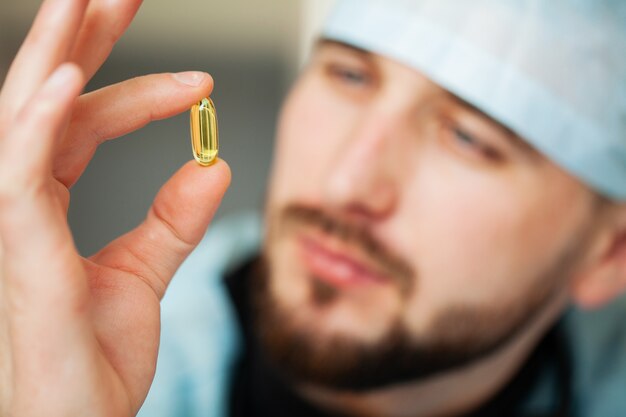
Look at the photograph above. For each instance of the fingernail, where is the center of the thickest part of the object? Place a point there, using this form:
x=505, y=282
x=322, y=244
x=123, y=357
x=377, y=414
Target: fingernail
x=191, y=78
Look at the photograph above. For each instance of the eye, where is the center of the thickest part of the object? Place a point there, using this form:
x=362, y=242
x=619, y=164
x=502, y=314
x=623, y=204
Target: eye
x=473, y=144
x=465, y=137
x=349, y=75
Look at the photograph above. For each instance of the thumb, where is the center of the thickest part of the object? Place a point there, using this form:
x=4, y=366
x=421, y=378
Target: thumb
x=175, y=224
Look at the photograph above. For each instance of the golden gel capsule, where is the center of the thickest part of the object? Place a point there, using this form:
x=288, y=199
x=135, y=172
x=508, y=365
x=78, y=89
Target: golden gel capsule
x=204, y=141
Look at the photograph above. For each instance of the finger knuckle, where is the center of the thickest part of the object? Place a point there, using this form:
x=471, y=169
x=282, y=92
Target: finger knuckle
x=41, y=111
x=19, y=187
x=35, y=115
x=9, y=190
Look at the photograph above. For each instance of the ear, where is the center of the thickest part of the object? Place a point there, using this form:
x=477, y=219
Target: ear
x=604, y=280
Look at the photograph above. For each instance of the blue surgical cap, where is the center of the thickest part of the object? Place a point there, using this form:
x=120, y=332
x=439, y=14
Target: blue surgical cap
x=553, y=71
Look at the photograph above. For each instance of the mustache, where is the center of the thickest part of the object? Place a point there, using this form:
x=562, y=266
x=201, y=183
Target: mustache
x=357, y=235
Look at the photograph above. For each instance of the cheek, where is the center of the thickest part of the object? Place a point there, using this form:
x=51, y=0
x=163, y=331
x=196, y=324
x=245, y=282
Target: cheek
x=482, y=240
x=311, y=129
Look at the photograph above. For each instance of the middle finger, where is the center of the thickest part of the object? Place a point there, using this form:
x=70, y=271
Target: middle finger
x=104, y=24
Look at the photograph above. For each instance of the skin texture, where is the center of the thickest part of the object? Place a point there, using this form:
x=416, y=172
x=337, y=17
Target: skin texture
x=80, y=336
x=496, y=237
x=478, y=228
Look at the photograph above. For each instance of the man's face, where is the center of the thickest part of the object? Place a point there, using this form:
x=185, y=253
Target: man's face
x=407, y=232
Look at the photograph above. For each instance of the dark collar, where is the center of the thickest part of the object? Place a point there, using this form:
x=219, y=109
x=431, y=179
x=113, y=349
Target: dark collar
x=258, y=391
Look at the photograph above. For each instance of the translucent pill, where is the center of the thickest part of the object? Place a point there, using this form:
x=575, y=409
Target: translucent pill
x=204, y=141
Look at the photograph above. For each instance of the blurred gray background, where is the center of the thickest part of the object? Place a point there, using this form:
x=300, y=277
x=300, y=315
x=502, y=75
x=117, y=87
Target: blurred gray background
x=252, y=49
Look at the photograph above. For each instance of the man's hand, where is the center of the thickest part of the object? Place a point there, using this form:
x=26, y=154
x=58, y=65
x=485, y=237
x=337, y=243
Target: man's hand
x=79, y=337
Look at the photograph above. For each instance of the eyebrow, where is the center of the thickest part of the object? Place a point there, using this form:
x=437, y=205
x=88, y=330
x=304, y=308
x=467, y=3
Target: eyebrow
x=363, y=53
x=515, y=139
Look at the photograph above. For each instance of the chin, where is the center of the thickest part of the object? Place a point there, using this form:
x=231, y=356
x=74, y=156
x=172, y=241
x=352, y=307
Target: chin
x=313, y=305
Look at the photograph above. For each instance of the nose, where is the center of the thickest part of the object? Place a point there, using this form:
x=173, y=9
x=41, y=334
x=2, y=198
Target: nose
x=364, y=180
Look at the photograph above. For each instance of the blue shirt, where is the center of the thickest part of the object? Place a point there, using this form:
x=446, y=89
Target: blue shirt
x=201, y=341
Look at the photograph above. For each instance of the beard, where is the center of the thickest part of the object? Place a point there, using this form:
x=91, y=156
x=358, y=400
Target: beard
x=458, y=337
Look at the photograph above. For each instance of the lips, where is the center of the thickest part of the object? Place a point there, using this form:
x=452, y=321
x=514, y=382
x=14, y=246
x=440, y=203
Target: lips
x=337, y=263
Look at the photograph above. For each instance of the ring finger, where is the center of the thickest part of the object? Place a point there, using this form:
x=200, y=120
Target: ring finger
x=47, y=45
